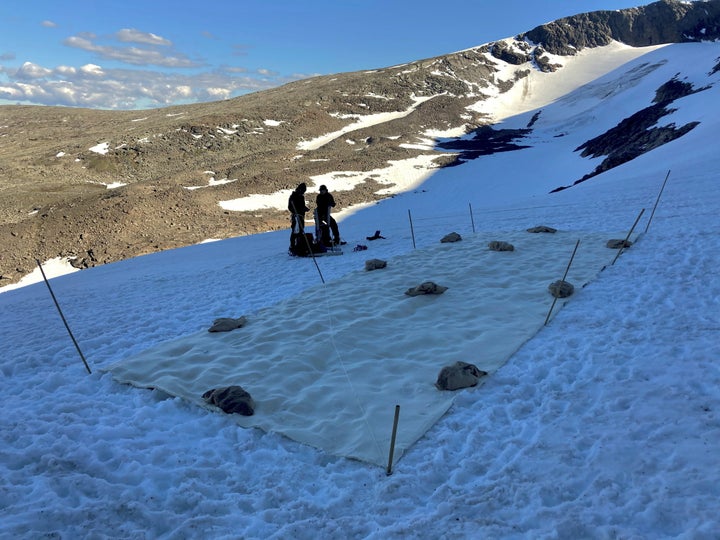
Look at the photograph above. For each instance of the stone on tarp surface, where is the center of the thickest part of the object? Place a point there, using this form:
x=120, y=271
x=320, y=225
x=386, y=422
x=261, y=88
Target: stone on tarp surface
x=561, y=289
x=427, y=287
x=231, y=399
x=541, y=229
x=459, y=375
x=374, y=264
x=498, y=245
x=617, y=244
x=451, y=237
x=225, y=324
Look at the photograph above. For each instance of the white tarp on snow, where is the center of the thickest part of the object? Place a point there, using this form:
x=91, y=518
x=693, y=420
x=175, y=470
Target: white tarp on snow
x=327, y=367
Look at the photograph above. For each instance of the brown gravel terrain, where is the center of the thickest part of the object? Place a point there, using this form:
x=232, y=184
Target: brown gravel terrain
x=54, y=199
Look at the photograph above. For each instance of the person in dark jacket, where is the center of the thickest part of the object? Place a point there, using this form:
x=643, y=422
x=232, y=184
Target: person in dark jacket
x=297, y=208
x=325, y=201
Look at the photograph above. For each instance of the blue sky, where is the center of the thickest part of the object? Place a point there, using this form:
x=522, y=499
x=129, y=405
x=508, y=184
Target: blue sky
x=155, y=53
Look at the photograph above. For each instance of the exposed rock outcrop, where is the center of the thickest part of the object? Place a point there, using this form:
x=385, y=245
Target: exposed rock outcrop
x=667, y=21
x=638, y=133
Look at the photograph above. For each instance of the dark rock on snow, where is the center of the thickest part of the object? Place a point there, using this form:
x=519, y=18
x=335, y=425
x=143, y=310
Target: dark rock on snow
x=226, y=324
x=459, y=375
x=231, y=399
x=498, y=245
x=427, y=287
x=561, y=289
x=451, y=237
x=375, y=264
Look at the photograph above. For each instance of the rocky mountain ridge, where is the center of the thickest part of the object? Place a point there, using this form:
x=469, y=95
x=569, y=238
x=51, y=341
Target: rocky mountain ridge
x=56, y=163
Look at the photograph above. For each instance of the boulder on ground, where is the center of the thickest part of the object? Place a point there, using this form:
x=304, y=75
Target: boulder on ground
x=459, y=375
x=561, y=289
x=374, y=264
x=225, y=324
x=497, y=245
x=541, y=229
x=451, y=237
x=231, y=399
x=427, y=287
x=617, y=244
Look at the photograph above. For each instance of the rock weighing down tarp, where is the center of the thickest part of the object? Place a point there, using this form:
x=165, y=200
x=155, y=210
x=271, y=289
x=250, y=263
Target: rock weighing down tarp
x=327, y=368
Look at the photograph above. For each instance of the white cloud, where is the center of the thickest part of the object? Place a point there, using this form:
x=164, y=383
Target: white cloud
x=32, y=71
x=49, y=24
x=33, y=91
x=140, y=56
x=219, y=93
x=94, y=86
x=65, y=70
x=185, y=91
x=9, y=92
x=130, y=35
x=235, y=69
x=92, y=69
x=102, y=82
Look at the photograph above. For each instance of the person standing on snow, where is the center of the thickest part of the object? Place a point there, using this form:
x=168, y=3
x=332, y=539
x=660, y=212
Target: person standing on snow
x=324, y=202
x=297, y=208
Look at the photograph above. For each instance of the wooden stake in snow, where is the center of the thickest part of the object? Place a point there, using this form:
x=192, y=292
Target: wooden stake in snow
x=627, y=237
x=472, y=219
x=412, y=231
x=392, y=440
x=657, y=201
x=563, y=279
x=62, y=316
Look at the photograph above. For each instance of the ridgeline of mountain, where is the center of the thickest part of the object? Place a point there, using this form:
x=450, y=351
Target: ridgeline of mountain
x=654, y=24
x=54, y=196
